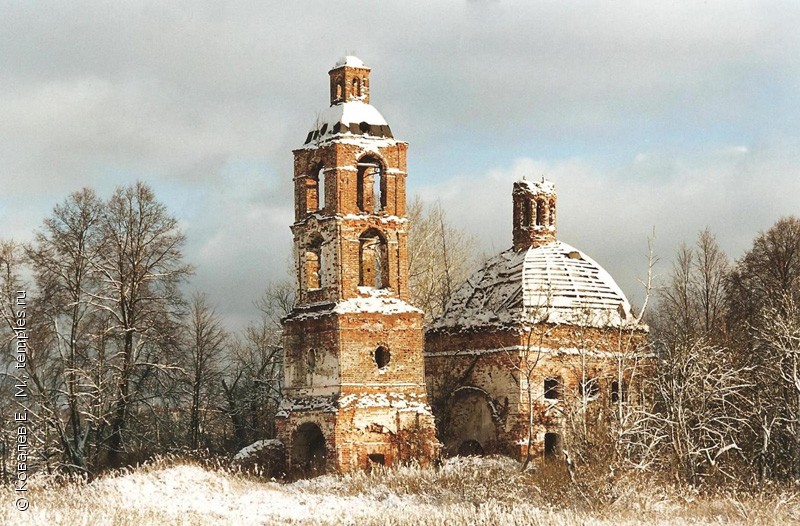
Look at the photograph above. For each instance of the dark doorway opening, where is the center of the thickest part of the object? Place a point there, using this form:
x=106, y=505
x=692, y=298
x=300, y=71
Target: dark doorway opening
x=470, y=448
x=308, y=449
x=552, y=445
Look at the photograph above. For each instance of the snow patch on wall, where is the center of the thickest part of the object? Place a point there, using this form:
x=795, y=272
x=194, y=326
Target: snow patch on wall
x=374, y=301
x=326, y=404
x=407, y=402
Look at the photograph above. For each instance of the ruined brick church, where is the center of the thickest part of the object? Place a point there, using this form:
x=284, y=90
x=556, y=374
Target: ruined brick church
x=361, y=373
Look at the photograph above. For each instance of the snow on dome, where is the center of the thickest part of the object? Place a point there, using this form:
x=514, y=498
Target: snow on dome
x=352, y=112
x=552, y=283
x=351, y=61
x=352, y=117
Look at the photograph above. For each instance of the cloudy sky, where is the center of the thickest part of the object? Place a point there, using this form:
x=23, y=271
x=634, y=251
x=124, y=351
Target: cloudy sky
x=670, y=117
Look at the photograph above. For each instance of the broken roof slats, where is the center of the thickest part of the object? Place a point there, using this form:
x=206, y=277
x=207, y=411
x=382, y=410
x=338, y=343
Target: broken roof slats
x=514, y=286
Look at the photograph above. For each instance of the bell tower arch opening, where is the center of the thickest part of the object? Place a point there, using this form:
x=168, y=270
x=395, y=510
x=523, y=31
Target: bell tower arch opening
x=373, y=260
x=370, y=185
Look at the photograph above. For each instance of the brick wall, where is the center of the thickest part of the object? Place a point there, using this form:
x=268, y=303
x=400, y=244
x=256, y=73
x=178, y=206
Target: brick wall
x=485, y=372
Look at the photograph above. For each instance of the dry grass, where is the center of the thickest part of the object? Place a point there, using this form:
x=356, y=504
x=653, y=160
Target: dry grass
x=474, y=491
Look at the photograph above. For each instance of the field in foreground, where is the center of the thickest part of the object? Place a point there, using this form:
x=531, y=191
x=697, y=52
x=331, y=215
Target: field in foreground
x=474, y=491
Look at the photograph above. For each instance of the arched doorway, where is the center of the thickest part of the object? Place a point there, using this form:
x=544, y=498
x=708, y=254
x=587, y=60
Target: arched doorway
x=471, y=427
x=308, y=449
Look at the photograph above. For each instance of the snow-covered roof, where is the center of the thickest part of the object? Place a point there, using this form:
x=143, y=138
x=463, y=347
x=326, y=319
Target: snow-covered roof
x=374, y=300
x=351, y=61
x=534, y=187
x=349, y=118
x=552, y=283
x=369, y=301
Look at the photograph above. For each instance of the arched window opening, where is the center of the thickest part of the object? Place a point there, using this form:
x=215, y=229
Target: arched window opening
x=382, y=356
x=551, y=389
x=552, y=214
x=356, y=87
x=373, y=260
x=618, y=392
x=320, y=181
x=313, y=265
x=526, y=213
x=371, y=186
x=311, y=359
x=315, y=188
x=339, y=90
x=540, y=212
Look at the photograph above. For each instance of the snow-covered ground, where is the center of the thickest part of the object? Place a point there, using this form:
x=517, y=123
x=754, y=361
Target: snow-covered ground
x=479, y=491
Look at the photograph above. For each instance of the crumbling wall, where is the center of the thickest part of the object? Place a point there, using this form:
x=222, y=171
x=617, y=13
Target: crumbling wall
x=478, y=381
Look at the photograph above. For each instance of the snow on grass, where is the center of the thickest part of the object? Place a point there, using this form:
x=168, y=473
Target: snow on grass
x=474, y=491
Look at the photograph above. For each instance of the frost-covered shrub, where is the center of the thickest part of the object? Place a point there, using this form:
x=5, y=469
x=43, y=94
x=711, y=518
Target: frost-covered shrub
x=265, y=458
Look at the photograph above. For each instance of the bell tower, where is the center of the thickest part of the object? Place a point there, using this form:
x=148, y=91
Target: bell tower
x=354, y=392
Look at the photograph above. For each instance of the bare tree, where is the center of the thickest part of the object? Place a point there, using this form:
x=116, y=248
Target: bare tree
x=206, y=346
x=764, y=291
x=252, y=385
x=440, y=257
x=140, y=265
x=705, y=404
x=524, y=363
x=693, y=304
x=61, y=257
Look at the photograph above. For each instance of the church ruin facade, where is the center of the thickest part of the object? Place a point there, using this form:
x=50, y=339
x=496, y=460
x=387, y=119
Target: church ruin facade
x=354, y=388
x=539, y=334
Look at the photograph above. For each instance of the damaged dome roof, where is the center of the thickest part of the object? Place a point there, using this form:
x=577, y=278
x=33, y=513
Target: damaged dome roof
x=553, y=283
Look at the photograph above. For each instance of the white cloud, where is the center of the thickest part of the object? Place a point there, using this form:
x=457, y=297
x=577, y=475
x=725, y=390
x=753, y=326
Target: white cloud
x=635, y=111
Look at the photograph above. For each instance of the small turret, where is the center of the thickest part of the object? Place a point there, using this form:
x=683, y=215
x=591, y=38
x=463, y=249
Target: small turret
x=534, y=214
x=349, y=81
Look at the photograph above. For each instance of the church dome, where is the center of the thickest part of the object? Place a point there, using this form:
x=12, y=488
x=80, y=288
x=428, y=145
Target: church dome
x=351, y=61
x=349, y=118
x=550, y=283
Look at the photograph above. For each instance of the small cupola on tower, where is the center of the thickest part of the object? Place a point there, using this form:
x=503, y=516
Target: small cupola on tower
x=534, y=214
x=349, y=81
